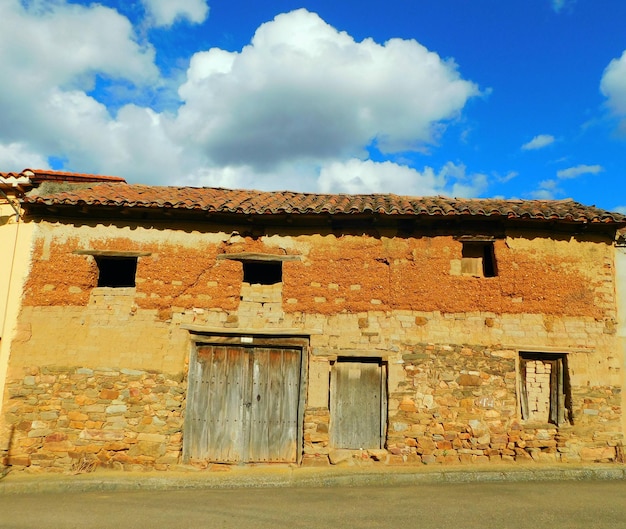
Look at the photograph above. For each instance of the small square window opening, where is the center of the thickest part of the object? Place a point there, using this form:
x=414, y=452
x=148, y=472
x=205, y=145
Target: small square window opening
x=479, y=259
x=262, y=273
x=117, y=272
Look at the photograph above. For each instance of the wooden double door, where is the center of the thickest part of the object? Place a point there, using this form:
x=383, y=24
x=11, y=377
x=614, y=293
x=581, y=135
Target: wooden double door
x=243, y=404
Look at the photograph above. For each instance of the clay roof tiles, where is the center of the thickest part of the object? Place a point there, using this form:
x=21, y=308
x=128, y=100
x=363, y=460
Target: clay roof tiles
x=248, y=202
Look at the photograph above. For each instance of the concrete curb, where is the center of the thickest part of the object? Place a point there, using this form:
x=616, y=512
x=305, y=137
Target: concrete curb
x=295, y=477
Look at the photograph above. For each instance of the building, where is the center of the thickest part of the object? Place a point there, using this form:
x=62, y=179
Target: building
x=166, y=325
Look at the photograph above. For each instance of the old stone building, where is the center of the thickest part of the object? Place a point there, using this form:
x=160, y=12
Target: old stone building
x=163, y=325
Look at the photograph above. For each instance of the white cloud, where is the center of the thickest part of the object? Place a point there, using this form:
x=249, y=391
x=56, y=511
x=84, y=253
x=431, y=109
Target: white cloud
x=358, y=176
x=538, y=142
x=547, y=190
x=542, y=194
x=43, y=95
x=613, y=85
x=16, y=156
x=67, y=45
x=574, y=172
x=349, y=176
x=303, y=90
x=503, y=179
x=288, y=176
x=291, y=110
x=166, y=12
x=620, y=209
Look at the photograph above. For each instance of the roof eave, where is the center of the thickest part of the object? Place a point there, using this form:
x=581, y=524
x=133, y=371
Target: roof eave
x=37, y=206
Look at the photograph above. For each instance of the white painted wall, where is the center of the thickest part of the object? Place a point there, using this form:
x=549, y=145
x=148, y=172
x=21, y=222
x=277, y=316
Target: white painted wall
x=15, y=252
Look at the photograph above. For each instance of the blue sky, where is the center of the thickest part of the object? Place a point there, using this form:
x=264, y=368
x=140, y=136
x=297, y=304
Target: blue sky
x=482, y=98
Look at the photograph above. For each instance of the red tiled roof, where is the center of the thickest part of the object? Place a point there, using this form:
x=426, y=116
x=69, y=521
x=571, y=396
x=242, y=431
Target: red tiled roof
x=232, y=201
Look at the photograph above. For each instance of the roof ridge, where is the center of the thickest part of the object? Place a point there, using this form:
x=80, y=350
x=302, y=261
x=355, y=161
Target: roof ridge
x=39, y=173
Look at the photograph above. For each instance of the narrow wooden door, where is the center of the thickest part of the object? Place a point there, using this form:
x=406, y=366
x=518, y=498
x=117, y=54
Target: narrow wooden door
x=242, y=404
x=358, y=405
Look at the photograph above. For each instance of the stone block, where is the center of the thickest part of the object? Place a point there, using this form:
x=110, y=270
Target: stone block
x=429, y=459
x=315, y=461
x=77, y=416
x=395, y=459
x=478, y=428
x=466, y=458
x=338, y=456
x=146, y=450
x=606, y=453
x=426, y=445
x=316, y=437
x=40, y=432
x=377, y=454
x=87, y=449
x=109, y=394
x=55, y=437
x=102, y=435
x=152, y=437
x=469, y=380
x=116, y=409
x=170, y=458
x=407, y=404
x=58, y=446
x=19, y=460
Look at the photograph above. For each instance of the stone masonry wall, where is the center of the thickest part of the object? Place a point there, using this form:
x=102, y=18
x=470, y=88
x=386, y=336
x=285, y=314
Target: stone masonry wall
x=62, y=418
x=459, y=404
x=452, y=405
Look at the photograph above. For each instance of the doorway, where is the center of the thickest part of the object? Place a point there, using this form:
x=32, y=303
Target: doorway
x=358, y=413
x=243, y=404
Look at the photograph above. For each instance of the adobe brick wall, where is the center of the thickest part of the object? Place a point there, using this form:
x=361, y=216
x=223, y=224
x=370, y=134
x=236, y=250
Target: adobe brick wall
x=450, y=341
x=349, y=273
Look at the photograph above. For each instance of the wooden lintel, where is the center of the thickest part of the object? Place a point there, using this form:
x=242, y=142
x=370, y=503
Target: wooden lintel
x=250, y=256
x=248, y=331
x=354, y=353
x=111, y=253
x=475, y=238
x=545, y=349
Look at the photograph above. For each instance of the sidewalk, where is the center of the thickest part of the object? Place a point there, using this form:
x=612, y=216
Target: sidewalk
x=251, y=477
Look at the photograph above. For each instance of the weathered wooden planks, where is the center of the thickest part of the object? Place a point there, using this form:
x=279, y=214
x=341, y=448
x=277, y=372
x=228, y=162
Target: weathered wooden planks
x=357, y=418
x=243, y=404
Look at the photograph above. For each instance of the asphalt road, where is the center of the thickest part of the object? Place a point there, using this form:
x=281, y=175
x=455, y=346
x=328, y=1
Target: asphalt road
x=554, y=505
